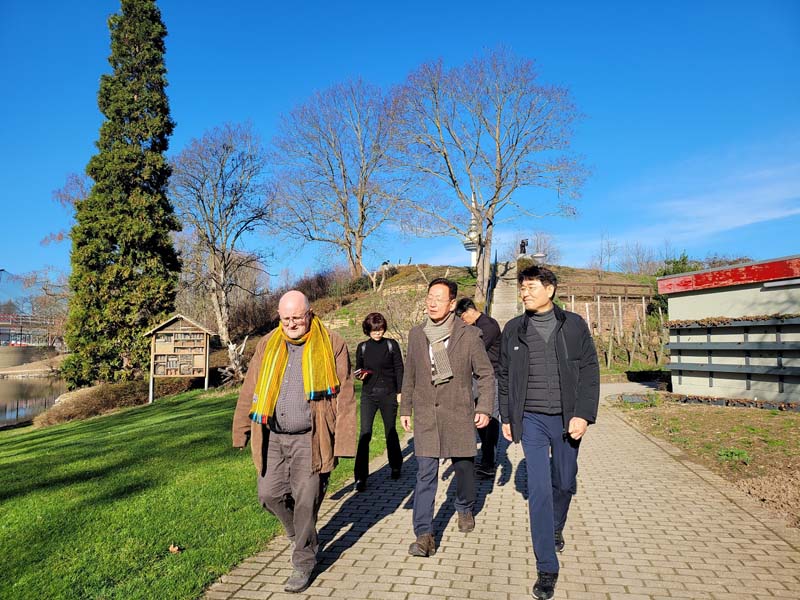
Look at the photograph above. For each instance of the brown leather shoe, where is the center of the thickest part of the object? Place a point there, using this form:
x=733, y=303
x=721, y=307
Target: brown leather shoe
x=424, y=546
x=466, y=522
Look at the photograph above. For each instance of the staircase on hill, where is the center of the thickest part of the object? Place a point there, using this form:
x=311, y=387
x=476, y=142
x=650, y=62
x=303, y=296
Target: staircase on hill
x=505, y=299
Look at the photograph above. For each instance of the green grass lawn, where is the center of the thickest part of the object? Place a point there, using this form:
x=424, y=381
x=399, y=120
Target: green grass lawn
x=90, y=509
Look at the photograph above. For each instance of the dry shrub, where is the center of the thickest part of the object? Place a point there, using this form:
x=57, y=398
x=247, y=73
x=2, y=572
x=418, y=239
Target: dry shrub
x=104, y=398
x=168, y=386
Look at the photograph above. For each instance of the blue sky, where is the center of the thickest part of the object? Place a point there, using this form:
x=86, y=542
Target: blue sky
x=691, y=128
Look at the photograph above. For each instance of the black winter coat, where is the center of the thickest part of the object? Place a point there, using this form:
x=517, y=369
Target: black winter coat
x=579, y=373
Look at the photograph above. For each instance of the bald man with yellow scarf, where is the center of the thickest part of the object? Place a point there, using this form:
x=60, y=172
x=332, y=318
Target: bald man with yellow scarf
x=297, y=409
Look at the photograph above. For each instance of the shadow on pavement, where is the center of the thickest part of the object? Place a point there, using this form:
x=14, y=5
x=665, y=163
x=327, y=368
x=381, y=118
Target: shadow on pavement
x=360, y=511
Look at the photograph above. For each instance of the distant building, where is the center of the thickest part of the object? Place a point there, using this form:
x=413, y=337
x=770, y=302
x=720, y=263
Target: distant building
x=735, y=331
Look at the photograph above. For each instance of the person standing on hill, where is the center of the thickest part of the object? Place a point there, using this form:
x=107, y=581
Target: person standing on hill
x=379, y=364
x=443, y=355
x=297, y=409
x=549, y=392
x=490, y=331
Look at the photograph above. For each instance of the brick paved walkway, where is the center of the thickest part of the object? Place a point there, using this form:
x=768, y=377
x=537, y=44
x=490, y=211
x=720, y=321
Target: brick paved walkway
x=646, y=523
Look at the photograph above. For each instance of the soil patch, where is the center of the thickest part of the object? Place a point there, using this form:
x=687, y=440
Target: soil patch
x=755, y=449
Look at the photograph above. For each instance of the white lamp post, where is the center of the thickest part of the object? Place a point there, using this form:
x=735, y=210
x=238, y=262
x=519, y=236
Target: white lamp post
x=471, y=242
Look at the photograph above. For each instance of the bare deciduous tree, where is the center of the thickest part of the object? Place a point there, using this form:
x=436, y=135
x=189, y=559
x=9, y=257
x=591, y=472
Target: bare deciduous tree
x=218, y=192
x=606, y=251
x=76, y=188
x=48, y=298
x=337, y=181
x=638, y=259
x=482, y=132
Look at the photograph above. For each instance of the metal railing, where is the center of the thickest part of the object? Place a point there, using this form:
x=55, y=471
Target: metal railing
x=594, y=289
x=492, y=285
x=25, y=320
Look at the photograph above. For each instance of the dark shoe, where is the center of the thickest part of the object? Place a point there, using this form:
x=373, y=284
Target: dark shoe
x=466, y=522
x=395, y=474
x=297, y=582
x=559, y=541
x=484, y=473
x=361, y=485
x=545, y=586
x=424, y=546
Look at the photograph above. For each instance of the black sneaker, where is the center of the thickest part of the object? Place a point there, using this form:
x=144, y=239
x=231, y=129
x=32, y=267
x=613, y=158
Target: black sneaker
x=545, y=586
x=361, y=485
x=559, y=541
x=395, y=474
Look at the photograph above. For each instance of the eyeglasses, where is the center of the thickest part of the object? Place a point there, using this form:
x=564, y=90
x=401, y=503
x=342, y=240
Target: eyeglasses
x=295, y=320
x=525, y=289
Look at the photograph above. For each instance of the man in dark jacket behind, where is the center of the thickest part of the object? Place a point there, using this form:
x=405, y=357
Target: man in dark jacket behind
x=549, y=388
x=490, y=331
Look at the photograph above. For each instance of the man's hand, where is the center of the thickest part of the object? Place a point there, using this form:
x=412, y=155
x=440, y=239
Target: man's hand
x=577, y=427
x=405, y=421
x=398, y=398
x=507, y=432
x=481, y=420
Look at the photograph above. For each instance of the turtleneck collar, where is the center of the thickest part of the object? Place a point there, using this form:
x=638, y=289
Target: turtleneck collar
x=542, y=316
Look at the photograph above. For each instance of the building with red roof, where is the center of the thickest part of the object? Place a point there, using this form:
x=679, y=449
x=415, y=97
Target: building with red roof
x=735, y=331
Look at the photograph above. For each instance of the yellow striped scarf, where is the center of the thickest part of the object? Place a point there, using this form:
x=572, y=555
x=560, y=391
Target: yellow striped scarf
x=319, y=369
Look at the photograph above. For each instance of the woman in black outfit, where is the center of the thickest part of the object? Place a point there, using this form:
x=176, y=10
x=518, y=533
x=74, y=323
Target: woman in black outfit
x=379, y=364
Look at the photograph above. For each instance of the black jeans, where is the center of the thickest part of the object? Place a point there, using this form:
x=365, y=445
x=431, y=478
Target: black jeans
x=370, y=404
x=489, y=436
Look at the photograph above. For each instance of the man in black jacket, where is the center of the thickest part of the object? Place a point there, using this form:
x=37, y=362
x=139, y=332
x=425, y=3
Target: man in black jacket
x=549, y=388
x=490, y=331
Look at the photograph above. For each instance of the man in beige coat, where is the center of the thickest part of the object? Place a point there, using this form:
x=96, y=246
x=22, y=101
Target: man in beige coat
x=443, y=355
x=297, y=409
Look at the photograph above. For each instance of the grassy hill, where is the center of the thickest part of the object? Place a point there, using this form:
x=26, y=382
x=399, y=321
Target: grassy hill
x=403, y=295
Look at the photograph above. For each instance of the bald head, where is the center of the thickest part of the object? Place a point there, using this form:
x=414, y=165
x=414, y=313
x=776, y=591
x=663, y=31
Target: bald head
x=293, y=300
x=294, y=311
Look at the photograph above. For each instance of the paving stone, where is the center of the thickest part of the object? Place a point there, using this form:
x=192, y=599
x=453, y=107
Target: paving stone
x=646, y=524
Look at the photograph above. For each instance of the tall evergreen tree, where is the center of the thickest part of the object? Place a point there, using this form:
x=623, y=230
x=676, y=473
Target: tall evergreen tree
x=124, y=265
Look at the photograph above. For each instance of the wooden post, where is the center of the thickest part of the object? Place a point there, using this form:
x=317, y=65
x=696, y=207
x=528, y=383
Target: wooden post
x=621, y=321
x=588, y=316
x=599, y=317
x=208, y=337
x=613, y=320
x=644, y=309
x=152, y=369
x=572, y=302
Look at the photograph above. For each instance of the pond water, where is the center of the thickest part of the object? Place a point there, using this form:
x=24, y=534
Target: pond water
x=23, y=399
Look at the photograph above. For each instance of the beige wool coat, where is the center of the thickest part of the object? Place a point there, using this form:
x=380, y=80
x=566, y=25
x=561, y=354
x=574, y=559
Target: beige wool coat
x=444, y=415
x=333, y=420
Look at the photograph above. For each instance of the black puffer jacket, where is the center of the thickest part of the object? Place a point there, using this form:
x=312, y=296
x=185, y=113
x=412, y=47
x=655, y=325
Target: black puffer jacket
x=579, y=372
